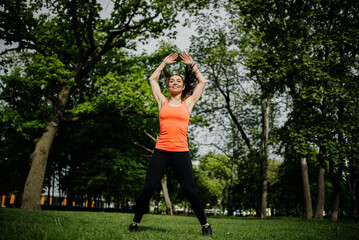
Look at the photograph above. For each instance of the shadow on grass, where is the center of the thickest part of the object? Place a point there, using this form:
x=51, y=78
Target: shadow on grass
x=239, y=218
x=248, y=218
x=152, y=229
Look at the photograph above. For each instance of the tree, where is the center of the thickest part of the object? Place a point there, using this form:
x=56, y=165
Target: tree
x=214, y=173
x=303, y=40
x=320, y=57
x=69, y=40
x=231, y=55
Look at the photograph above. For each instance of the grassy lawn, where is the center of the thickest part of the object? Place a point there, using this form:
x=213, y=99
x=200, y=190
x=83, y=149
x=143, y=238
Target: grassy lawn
x=18, y=224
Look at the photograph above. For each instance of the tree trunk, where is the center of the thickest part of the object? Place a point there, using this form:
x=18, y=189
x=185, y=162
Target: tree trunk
x=117, y=203
x=355, y=201
x=38, y=159
x=221, y=213
x=48, y=192
x=235, y=157
x=230, y=190
x=308, y=212
x=337, y=177
x=266, y=103
x=321, y=194
x=264, y=189
x=336, y=196
x=259, y=191
x=322, y=150
x=53, y=189
x=336, y=180
x=34, y=182
x=354, y=188
x=166, y=195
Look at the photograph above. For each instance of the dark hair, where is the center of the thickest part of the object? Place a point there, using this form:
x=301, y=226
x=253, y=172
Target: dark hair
x=189, y=80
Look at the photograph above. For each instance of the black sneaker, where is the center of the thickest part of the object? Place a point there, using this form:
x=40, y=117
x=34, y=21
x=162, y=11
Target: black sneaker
x=207, y=230
x=133, y=227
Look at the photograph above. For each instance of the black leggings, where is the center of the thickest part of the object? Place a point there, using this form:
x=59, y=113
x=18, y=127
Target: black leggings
x=182, y=167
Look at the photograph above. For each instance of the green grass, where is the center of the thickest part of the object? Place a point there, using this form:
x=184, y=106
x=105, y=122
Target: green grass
x=18, y=224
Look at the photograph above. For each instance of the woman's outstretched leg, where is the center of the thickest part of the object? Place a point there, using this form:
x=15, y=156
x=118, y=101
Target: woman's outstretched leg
x=182, y=167
x=155, y=171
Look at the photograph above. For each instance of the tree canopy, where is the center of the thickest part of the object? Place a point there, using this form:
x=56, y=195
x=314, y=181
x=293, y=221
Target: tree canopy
x=77, y=112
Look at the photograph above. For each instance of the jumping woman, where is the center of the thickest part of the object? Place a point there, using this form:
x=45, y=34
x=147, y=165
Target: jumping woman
x=172, y=147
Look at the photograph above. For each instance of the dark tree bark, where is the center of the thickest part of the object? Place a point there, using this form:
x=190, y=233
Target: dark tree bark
x=308, y=212
x=38, y=159
x=353, y=183
x=321, y=194
x=230, y=190
x=336, y=195
x=337, y=176
x=235, y=158
x=166, y=195
x=266, y=104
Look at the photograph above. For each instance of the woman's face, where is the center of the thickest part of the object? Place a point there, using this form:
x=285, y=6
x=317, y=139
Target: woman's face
x=175, y=84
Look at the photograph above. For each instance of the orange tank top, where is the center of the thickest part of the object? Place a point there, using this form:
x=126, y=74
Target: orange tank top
x=173, y=128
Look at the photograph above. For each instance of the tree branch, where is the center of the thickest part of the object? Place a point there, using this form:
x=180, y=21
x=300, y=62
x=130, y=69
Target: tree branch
x=141, y=146
x=17, y=95
x=122, y=110
x=90, y=19
x=10, y=50
x=234, y=118
x=76, y=27
x=239, y=126
x=199, y=112
x=219, y=148
x=22, y=45
x=216, y=82
x=68, y=57
x=74, y=119
x=112, y=42
x=152, y=137
x=241, y=86
x=133, y=14
x=227, y=80
x=142, y=22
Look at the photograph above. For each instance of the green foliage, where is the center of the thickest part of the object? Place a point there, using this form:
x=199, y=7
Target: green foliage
x=227, y=88
x=307, y=52
x=66, y=44
x=29, y=92
x=245, y=191
x=117, y=92
x=213, y=177
x=46, y=73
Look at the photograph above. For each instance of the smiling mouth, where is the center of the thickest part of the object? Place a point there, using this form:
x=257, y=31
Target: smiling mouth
x=175, y=89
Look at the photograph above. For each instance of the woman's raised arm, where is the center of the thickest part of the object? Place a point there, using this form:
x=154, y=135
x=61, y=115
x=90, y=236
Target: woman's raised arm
x=155, y=87
x=198, y=90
